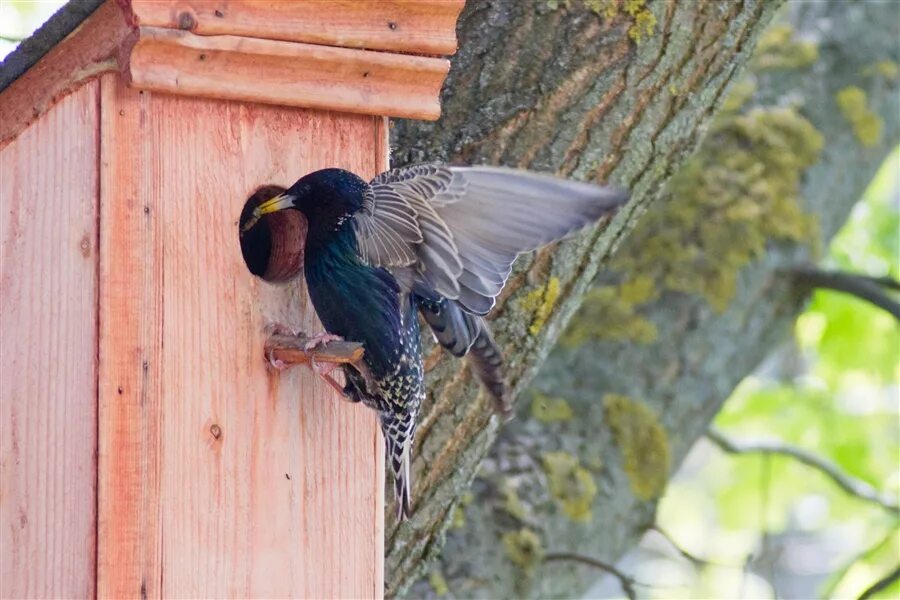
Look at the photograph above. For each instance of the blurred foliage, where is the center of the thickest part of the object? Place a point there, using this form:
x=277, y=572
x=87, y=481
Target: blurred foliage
x=833, y=391
x=19, y=18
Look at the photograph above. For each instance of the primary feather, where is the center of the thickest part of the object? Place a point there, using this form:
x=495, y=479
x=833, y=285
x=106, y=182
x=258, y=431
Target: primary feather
x=435, y=239
x=464, y=226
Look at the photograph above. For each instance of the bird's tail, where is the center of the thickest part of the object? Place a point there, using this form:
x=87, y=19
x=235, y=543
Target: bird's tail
x=486, y=361
x=397, y=443
x=465, y=334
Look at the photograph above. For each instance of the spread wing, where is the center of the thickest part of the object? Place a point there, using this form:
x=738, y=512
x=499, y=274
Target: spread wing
x=459, y=229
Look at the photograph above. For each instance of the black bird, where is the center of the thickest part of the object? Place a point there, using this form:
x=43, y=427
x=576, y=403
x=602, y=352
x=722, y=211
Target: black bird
x=435, y=239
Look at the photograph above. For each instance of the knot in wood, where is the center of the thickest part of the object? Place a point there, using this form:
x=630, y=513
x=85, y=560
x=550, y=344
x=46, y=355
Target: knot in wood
x=187, y=21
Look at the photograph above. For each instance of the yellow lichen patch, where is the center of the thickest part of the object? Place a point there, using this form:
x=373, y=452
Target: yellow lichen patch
x=524, y=548
x=458, y=520
x=438, y=583
x=540, y=303
x=739, y=191
x=550, y=409
x=571, y=485
x=610, y=313
x=739, y=94
x=512, y=504
x=642, y=442
x=778, y=49
x=644, y=25
x=643, y=22
x=594, y=462
x=606, y=8
x=867, y=125
x=884, y=68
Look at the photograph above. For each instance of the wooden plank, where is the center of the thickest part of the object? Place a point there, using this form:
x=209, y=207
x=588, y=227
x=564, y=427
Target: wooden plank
x=86, y=53
x=48, y=354
x=260, y=484
x=414, y=26
x=129, y=562
x=288, y=73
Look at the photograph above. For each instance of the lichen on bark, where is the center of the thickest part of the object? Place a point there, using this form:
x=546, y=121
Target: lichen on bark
x=706, y=337
x=684, y=370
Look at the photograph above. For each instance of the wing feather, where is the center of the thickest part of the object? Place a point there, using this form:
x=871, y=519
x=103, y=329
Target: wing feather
x=460, y=228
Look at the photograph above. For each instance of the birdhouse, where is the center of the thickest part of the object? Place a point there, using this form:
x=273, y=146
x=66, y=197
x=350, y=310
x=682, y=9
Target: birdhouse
x=148, y=448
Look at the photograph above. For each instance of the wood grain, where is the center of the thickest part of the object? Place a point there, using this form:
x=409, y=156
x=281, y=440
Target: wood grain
x=414, y=26
x=48, y=354
x=86, y=53
x=287, y=73
x=129, y=546
x=219, y=478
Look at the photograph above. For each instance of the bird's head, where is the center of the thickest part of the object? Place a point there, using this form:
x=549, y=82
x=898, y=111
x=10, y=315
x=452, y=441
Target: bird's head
x=327, y=198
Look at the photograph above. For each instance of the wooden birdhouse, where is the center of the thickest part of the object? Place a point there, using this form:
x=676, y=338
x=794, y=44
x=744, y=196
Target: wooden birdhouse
x=148, y=450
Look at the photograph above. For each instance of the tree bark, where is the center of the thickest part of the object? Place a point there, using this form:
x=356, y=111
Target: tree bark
x=603, y=91
x=693, y=300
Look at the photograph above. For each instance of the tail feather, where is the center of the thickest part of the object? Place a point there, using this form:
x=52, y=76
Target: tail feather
x=397, y=444
x=465, y=334
x=486, y=361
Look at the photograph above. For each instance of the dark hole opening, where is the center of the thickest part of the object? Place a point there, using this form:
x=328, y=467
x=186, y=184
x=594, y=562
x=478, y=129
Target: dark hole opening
x=273, y=247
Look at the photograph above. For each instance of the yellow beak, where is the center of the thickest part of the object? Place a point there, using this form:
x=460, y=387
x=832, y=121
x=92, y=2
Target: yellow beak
x=279, y=202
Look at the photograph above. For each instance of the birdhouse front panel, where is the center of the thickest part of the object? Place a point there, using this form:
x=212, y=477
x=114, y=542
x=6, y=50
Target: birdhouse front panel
x=218, y=475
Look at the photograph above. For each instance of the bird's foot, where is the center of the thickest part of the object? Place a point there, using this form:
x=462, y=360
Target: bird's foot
x=332, y=382
x=321, y=369
x=321, y=339
x=323, y=372
x=276, y=363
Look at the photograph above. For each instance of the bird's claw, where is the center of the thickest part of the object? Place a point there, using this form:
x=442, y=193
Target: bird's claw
x=321, y=339
x=276, y=363
x=321, y=369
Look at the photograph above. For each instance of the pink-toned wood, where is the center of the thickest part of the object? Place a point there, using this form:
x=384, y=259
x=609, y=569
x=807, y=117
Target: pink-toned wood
x=291, y=350
x=86, y=53
x=415, y=26
x=48, y=353
x=219, y=477
x=129, y=545
x=288, y=73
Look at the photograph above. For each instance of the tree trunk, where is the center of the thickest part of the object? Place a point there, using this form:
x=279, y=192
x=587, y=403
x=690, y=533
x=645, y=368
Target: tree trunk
x=693, y=300
x=598, y=90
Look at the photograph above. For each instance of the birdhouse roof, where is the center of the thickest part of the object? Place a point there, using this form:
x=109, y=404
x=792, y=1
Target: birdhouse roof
x=381, y=57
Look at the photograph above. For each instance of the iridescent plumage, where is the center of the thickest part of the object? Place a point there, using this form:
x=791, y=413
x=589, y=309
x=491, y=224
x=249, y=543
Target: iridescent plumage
x=426, y=239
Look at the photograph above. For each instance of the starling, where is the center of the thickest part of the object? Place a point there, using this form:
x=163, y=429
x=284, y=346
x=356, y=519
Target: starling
x=433, y=239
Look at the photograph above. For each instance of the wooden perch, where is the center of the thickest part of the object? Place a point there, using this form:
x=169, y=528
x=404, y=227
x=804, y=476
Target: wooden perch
x=289, y=349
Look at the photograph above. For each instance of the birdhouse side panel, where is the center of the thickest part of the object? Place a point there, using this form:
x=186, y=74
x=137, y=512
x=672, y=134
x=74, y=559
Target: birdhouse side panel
x=48, y=352
x=250, y=482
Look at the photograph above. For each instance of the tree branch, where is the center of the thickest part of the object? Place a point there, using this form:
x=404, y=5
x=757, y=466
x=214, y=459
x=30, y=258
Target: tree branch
x=625, y=581
x=881, y=584
x=864, y=287
x=851, y=485
x=695, y=560
x=835, y=578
